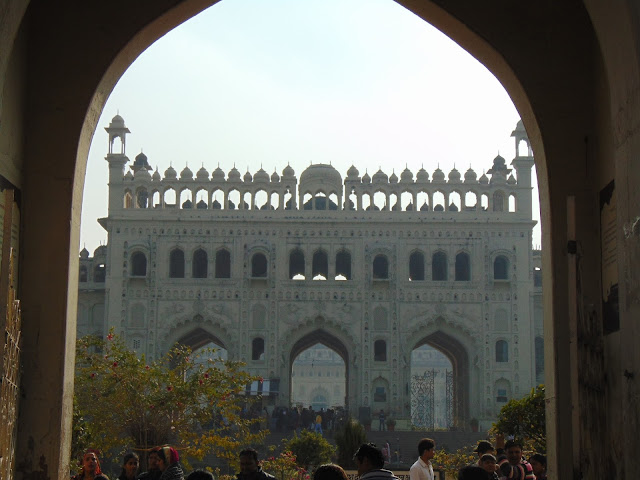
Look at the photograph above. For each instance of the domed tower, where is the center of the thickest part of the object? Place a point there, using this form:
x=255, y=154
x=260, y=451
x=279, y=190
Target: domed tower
x=117, y=160
x=320, y=178
x=523, y=165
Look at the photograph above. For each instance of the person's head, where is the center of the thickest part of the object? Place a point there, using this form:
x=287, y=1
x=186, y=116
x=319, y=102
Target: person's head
x=166, y=456
x=488, y=463
x=90, y=462
x=248, y=461
x=200, y=475
x=330, y=471
x=538, y=464
x=484, y=447
x=152, y=461
x=514, y=452
x=130, y=464
x=472, y=473
x=426, y=449
x=368, y=457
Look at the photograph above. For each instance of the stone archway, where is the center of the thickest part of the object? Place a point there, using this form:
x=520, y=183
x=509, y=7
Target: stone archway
x=457, y=354
x=327, y=339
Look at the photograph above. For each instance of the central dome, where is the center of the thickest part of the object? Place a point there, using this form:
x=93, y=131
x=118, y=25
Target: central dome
x=321, y=177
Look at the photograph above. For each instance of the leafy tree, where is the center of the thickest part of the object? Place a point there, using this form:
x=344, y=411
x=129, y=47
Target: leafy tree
x=310, y=448
x=284, y=467
x=348, y=439
x=450, y=463
x=524, y=419
x=194, y=401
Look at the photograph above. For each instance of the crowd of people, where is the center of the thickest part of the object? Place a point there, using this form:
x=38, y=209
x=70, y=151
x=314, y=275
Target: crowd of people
x=505, y=463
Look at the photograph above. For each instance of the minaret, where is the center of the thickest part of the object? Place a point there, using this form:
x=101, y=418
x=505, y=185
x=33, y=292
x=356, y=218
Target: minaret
x=117, y=161
x=523, y=165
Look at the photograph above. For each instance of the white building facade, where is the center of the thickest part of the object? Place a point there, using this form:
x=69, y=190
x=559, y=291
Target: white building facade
x=267, y=266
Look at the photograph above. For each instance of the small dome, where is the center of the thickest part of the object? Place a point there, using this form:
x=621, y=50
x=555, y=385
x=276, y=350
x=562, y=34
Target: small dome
x=234, y=175
x=186, y=174
x=101, y=251
x=247, y=177
x=511, y=180
x=261, y=176
x=275, y=177
x=499, y=163
x=353, y=172
x=84, y=253
x=218, y=174
x=438, y=176
x=288, y=172
x=470, y=176
x=484, y=179
x=156, y=176
x=141, y=160
x=454, y=176
x=422, y=176
x=393, y=178
x=406, y=176
x=128, y=176
x=366, y=178
x=170, y=173
x=202, y=174
x=117, y=122
x=380, y=177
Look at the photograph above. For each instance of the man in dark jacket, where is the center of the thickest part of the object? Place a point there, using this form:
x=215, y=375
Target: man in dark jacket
x=250, y=468
x=370, y=461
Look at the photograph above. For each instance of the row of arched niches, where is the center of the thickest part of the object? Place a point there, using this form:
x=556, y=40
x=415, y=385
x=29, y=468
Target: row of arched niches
x=321, y=188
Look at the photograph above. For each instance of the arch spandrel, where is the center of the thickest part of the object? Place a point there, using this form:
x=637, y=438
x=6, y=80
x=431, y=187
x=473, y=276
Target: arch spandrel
x=199, y=330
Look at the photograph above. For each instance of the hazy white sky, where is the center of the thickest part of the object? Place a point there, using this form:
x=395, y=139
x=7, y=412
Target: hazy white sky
x=256, y=83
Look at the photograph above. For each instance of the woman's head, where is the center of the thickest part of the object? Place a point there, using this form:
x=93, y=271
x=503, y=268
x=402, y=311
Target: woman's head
x=90, y=462
x=166, y=456
x=130, y=464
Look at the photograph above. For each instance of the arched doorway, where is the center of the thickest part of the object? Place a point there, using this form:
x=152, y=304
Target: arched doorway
x=319, y=370
x=443, y=365
x=200, y=339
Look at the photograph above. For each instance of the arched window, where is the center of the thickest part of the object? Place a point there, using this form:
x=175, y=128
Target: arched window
x=259, y=266
x=296, y=264
x=463, y=270
x=501, y=268
x=320, y=265
x=199, y=267
x=416, y=266
x=83, y=275
x=380, y=351
x=138, y=264
x=343, y=265
x=223, y=264
x=380, y=267
x=176, y=263
x=99, y=273
x=439, y=267
x=502, y=351
x=498, y=202
x=257, y=349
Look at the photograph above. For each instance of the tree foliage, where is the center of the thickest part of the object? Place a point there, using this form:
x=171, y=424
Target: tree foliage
x=524, y=419
x=310, y=448
x=193, y=401
x=284, y=467
x=451, y=463
x=348, y=439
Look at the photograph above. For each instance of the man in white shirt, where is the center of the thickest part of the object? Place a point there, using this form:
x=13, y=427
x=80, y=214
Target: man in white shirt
x=422, y=469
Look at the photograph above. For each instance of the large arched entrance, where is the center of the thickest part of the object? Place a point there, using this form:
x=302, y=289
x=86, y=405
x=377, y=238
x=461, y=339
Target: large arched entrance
x=571, y=69
x=315, y=354
x=426, y=386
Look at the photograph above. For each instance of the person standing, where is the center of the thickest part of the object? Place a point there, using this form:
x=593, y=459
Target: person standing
x=90, y=467
x=513, y=466
x=381, y=419
x=539, y=466
x=250, y=467
x=422, y=468
x=168, y=463
x=153, y=472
